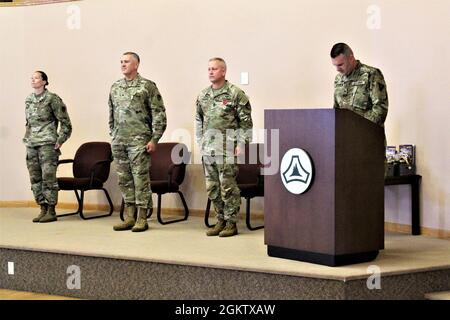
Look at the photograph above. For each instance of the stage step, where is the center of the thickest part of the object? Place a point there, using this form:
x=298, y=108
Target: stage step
x=25, y=295
x=443, y=295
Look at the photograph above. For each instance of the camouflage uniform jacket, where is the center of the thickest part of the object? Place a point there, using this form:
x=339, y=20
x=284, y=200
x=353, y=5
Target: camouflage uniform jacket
x=364, y=92
x=43, y=112
x=219, y=110
x=136, y=112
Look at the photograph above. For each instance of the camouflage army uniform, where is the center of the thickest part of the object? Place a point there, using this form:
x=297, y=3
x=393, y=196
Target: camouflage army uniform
x=43, y=114
x=136, y=117
x=217, y=111
x=364, y=92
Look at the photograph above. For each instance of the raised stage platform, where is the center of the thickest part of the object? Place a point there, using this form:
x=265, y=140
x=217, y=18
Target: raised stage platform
x=87, y=259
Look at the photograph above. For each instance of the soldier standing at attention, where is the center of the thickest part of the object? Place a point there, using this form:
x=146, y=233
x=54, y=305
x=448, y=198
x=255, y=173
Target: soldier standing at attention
x=223, y=126
x=44, y=111
x=358, y=87
x=137, y=120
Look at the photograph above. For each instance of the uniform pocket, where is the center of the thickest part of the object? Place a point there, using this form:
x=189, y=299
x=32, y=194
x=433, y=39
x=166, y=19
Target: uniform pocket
x=360, y=95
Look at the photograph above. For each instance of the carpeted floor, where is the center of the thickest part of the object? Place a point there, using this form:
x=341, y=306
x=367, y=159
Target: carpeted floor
x=186, y=243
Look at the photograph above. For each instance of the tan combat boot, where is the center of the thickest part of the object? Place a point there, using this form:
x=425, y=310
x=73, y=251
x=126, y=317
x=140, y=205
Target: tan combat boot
x=141, y=223
x=229, y=230
x=216, y=229
x=44, y=208
x=130, y=219
x=50, y=216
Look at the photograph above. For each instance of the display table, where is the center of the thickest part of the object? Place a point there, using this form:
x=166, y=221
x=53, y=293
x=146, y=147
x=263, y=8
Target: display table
x=414, y=181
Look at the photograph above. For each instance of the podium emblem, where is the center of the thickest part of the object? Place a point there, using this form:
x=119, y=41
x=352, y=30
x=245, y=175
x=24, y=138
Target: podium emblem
x=297, y=171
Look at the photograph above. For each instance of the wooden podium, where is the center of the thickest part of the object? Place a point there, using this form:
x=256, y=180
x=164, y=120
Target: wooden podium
x=339, y=220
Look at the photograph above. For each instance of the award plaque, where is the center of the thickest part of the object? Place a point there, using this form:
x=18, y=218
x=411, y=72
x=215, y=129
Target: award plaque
x=391, y=161
x=407, y=159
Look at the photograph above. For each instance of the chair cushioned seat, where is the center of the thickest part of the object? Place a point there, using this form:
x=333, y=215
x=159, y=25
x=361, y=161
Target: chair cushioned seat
x=66, y=183
x=161, y=186
x=251, y=190
x=92, y=161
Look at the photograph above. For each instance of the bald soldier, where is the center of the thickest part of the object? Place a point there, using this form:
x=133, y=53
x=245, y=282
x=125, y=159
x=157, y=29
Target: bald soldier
x=223, y=126
x=137, y=120
x=358, y=87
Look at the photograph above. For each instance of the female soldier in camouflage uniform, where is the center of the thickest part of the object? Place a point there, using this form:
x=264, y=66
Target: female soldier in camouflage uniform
x=44, y=111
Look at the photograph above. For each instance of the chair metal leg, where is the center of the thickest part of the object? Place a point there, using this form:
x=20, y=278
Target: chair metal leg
x=247, y=217
x=208, y=208
x=111, y=207
x=186, y=210
x=149, y=213
x=80, y=199
x=122, y=208
x=73, y=213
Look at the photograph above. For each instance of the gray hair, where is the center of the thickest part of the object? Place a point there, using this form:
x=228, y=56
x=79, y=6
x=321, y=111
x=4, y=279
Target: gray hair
x=220, y=60
x=134, y=54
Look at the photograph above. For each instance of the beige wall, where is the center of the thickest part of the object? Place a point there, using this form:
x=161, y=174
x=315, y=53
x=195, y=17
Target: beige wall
x=283, y=45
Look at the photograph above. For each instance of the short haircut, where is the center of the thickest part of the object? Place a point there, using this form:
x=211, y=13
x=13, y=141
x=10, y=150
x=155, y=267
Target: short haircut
x=220, y=60
x=44, y=77
x=340, y=48
x=134, y=54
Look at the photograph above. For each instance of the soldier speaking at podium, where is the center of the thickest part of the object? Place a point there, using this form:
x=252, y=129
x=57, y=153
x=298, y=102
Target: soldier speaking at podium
x=358, y=87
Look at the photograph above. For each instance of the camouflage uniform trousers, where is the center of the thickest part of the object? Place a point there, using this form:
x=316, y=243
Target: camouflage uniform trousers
x=222, y=188
x=133, y=170
x=42, y=162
